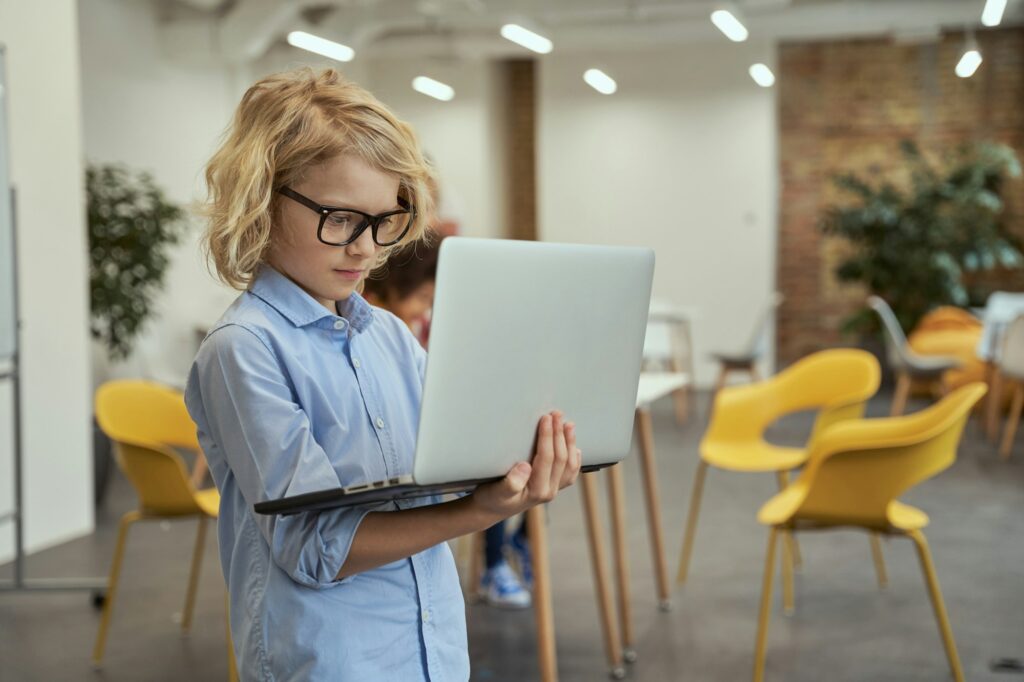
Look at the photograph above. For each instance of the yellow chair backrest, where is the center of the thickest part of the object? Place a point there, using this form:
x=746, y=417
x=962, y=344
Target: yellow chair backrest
x=145, y=420
x=836, y=382
x=857, y=468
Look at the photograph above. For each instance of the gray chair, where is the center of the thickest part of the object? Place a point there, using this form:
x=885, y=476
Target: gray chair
x=908, y=365
x=1011, y=367
x=745, y=360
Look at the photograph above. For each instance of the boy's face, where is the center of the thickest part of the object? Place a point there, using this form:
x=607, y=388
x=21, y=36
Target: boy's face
x=330, y=273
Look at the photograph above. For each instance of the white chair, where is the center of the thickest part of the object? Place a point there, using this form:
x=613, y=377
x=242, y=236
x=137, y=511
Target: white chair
x=745, y=360
x=668, y=345
x=908, y=365
x=1011, y=367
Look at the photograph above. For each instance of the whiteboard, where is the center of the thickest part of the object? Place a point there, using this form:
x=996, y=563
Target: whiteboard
x=8, y=336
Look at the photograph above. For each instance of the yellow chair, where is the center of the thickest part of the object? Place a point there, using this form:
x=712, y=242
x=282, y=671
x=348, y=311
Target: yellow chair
x=145, y=421
x=852, y=478
x=836, y=382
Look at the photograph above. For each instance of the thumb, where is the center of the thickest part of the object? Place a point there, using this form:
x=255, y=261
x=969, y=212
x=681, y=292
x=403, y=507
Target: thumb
x=517, y=477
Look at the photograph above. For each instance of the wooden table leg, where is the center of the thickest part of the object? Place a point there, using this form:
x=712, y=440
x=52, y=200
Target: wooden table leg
x=653, y=499
x=542, y=595
x=616, y=499
x=995, y=397
x=595, y=537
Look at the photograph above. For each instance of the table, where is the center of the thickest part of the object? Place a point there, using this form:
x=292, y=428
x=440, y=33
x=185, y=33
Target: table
x=618, y=635
x=669, y=338
x=1001, y=309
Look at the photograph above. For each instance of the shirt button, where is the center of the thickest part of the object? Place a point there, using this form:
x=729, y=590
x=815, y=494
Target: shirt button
x=356, y=363
x=380, y=423
x=339, y=324
x=426, y=616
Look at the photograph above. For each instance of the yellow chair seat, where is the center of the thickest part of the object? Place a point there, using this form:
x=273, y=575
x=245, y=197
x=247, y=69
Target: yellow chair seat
x=757, y=456
x=905, y=517
x=782, y=509
x=209, y=501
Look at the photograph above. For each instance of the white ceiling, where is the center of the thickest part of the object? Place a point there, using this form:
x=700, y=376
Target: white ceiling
x=244, y=29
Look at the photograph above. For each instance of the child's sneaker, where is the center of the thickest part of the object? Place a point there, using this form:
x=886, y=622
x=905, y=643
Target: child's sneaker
x=501, y=587
x=519, y=547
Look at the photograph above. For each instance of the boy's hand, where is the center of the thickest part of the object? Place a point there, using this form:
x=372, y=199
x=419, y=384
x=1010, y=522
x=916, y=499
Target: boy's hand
x=555, y=465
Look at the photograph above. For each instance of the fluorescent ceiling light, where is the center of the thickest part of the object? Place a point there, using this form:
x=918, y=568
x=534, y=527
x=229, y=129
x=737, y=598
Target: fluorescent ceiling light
x=728, y=24
x=322, y=46
x=527, y=38
x=600, y=81
x=993, y=12
x=968, y=64
x=762, y=75
x=433, y=88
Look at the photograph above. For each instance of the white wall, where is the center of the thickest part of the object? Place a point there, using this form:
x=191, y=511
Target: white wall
x=463, y=137
x=153, y=114
x=41, y=40
x=682, y=159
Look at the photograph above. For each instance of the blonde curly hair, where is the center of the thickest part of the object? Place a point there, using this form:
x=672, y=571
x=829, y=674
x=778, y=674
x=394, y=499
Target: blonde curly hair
x=284, y=124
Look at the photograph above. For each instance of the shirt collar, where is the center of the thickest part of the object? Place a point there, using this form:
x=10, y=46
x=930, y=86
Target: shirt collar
x=301, y=309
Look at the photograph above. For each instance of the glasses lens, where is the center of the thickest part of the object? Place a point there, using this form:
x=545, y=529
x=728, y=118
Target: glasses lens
x=392, y=228
x=339, y=226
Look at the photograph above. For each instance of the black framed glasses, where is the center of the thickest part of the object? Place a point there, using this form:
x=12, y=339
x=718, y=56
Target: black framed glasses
x=341, y=226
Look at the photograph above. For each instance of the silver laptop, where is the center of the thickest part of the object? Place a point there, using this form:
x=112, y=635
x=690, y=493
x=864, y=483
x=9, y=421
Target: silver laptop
x=518, y=329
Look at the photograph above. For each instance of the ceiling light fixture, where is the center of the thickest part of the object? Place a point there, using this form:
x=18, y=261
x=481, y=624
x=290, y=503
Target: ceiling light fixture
x=728, y=24
x=321, y=46
x=527, y=38
x=432, y=88
x=970, y=60
x=993, y=12
x=600, y=81
x=762, y=75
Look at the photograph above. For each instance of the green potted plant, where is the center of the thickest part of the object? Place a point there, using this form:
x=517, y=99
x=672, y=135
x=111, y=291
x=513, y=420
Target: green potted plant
x=916, y=243
x=132, y=226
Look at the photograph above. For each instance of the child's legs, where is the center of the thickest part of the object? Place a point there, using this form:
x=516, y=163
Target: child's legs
x=494, y=540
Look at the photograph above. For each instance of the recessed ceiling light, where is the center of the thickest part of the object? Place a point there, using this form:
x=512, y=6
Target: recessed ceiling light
x=432, y=88
x=527, y=38
x=321, y=46
x=600, y=81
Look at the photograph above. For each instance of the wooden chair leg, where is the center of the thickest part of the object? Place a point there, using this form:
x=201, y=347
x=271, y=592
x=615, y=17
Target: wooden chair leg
x=617, y=502
x=232, y=664
x=899, y=398
x=115, y=573
x=792, y=546
x=193, y=578
x=652, y=503
x=995, y=400
x=542, y=611
x=879, y=559
x=788, y=606
x=723, y=374
x=691, y=522
x=766, y=602
x=755, y=376
x=681, y=396
x=1012, y=421
x=928, y=568
x=476, y=563
x=602, y=588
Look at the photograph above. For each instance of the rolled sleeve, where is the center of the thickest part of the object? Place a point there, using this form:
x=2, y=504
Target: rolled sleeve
x=266, y=439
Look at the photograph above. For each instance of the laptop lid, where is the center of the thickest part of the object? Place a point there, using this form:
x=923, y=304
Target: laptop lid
x=519, y=329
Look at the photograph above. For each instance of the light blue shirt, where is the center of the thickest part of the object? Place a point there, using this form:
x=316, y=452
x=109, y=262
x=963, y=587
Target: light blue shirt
x=289, y=399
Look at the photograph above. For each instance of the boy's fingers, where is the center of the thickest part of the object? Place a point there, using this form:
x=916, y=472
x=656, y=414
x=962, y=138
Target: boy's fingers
x=517, y=478
x=542, y=459
x=561, y=453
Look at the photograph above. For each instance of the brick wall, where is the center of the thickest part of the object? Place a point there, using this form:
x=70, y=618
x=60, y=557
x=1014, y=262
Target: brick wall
x=844, y=106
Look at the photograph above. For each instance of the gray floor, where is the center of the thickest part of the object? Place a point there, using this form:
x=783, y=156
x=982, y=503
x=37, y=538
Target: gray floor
x=845, y=628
